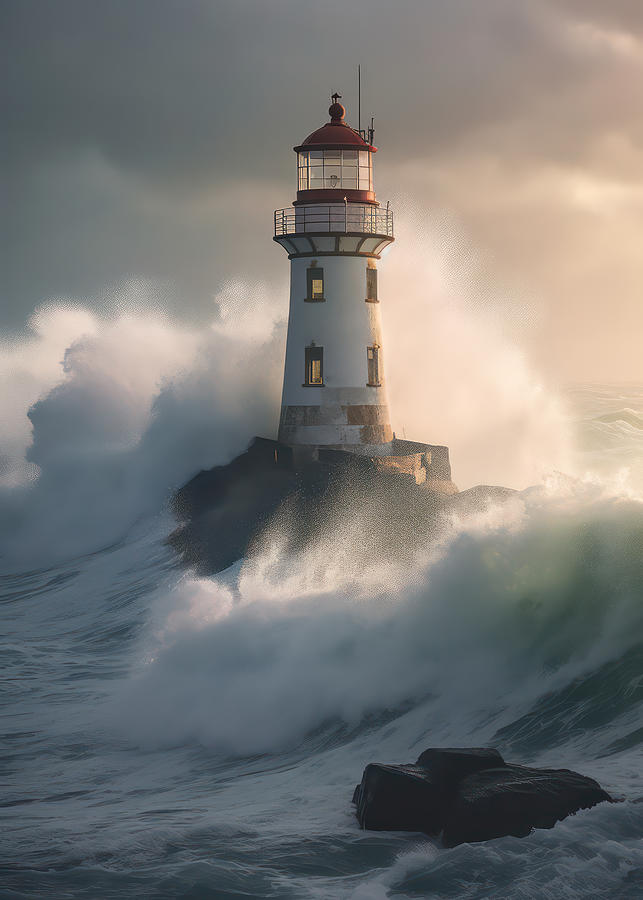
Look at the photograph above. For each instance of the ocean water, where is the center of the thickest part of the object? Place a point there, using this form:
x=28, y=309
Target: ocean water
x=166, y=735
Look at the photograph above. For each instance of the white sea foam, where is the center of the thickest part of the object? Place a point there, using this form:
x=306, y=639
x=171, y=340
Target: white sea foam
x=106, y=417
x=514, y=626
x=522, y=597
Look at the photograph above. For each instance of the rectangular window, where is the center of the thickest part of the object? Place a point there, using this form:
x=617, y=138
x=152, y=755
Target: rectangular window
x=373, y=359
x=371, y=285
x=314, y=366
x=302, y=168
x=315, y=285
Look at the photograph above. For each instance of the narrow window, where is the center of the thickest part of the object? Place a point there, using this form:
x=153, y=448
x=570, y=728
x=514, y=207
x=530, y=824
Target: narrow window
x=371, y=285
x=373, y=359
x=314, y=365
x=315, y=284
x=302, y=168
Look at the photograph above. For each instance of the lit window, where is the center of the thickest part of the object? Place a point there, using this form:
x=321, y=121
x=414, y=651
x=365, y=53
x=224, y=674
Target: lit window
x=315, y=285
x=373, y=359
x=371, y=285
x=314, y=365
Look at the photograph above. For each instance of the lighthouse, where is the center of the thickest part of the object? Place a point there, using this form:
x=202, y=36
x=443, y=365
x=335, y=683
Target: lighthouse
x=334, y=389
x=335, y=442
x=334, y=403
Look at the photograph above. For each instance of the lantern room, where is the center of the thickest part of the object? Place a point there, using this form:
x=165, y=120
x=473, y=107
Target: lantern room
x=323, y=169
x=335, y=162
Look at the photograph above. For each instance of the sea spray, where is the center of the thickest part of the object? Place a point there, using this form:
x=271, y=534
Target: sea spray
x=105, y=416
x=516, y=627
x=457, y=370
x=516, y=601
x=139, y=405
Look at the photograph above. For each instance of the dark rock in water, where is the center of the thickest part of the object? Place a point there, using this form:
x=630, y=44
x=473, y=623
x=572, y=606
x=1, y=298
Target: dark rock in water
x=400, y=798
x=515, y=799
x=417, y=797
x=452, y=764
x=469, y=795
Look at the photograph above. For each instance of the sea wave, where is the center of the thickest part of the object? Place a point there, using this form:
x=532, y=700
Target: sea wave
x=168, y=735
x=519, y=601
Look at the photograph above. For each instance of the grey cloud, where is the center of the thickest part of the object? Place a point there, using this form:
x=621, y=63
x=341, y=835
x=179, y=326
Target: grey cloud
x=152, y=139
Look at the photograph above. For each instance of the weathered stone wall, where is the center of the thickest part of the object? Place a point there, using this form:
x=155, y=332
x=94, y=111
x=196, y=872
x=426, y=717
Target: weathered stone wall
x=335, y=421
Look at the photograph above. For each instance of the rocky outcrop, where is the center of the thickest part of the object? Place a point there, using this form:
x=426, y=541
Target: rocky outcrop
x=469, y=795
x=225, y=512
x=416, y=797
x=512, y=800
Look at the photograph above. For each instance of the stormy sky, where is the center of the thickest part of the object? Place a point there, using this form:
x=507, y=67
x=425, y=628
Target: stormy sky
x=150, y=141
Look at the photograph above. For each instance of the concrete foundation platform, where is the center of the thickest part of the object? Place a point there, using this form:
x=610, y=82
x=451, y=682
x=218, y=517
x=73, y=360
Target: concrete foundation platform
x=423, y=463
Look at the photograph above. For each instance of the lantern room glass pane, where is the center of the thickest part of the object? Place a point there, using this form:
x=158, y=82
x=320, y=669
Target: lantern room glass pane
x=332, y=176
x=316, y=180
x=334, y=170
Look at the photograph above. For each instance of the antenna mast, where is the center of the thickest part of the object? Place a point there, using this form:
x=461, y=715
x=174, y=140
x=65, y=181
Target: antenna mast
x=359, y=99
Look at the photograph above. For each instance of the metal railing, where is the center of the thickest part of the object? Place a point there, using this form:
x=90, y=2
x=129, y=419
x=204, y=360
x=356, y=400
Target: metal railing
x=361, y=218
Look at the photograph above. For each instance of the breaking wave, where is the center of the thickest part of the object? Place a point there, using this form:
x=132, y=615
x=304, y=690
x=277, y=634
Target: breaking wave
x=518, y=601
x=168, y=735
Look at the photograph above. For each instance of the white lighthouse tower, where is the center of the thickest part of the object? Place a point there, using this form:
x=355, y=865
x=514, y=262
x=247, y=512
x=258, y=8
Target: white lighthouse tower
x=334, y=392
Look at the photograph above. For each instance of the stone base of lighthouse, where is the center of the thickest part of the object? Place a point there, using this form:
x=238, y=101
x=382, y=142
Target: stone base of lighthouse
x=346, y=417
x=425, y=464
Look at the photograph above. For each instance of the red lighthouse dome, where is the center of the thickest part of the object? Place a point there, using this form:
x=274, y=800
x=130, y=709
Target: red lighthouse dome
x=337, y=133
